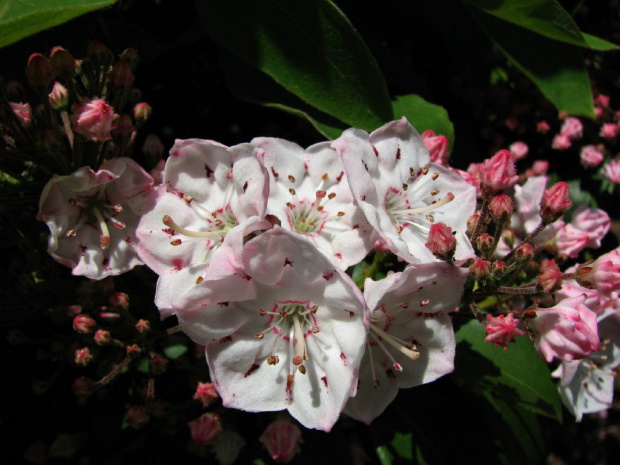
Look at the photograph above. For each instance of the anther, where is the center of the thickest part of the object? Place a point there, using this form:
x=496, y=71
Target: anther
x=340, y=213
x=259, y=335
x=331, y=196
x=302, y=369
x=320, y=194
x=71, y=233
x=292, y=191
x=398, y=367
x=430, y=218
x=176, y=242
x=405, y=186
x=117, y=208
x=298, y=360
x=435, y=176
x=435, y=192
x=324, y=177
x=273, y=360
x=291, y=178
x=315, y=329
x=262, y=312
x=314, y=308
x=199, y=279
x=188, y=198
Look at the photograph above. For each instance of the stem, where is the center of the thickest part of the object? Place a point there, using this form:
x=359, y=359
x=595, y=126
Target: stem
x=113, y=374
x=528, y=239
x=526, y=289
x=484, y=210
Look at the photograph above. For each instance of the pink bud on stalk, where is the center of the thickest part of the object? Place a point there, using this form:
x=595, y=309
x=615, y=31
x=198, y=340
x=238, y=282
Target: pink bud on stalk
x=94, y=119
x=83, y=324
x=40, y=73
x=206, y=393
x=555, y=201
x=282, y=439
x=441, y=241
x=501, y=208
x=603, y=274
x=205, y=429
x=437, y=147
x=480, y=268
x=502, y=330
x=591, y=156
x=497, y=174
x=550, y=276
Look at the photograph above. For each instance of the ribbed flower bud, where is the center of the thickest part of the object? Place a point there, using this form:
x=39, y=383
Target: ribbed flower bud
x=555, y=201
x=441, y=241
x=501, y=208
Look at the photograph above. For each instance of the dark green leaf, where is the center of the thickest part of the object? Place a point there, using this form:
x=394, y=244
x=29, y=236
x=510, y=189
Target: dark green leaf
x=517, y=375
x=19, y=19
x=599, y=44
x=310, y=49
x=556, y=68
x=424, y=115
x=249, y=84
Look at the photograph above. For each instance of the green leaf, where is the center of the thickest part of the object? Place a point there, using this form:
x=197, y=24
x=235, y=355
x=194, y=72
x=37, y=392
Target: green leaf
x=310, y=49
x=599, y=44
x=517, y=375
x=578, y=196
x=424, y=115
x=249, y=84
x=518, y=432
x=175, y=351
x=545, y=17
x=19, y=19
x=556, y=68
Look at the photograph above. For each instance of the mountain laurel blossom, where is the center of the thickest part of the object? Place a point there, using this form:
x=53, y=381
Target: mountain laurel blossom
x=93, y=216
x=286, y=331
x=411, y=340
x=402, y=193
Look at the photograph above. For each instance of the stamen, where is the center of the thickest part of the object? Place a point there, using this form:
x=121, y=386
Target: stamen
x=412, y=211
x=168, y=221
x=105, y=232
x=413, y=355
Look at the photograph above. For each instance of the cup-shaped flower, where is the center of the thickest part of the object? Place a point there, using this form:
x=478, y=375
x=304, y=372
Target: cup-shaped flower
x=285, y=332
x=566, y=331
x=92, y=217
x=402, y=193
x=310, y=195
x=211, y=196
x=587, y=386
x=603, y=274
x=411, y=340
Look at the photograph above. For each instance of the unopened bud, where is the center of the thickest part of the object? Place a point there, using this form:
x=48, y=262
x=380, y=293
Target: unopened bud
x=124, y=127
x=509, y=237
x=206, y=393
x=137, y=417
x=83, y=324
x=158, y=364
x=441, y=241
x=499, y=268
x=120, y=299
x=102, y=337
x=63, y=62
x=130, y=56
x=142, y=111
x=472, y=222
x=83, y=387
x=555, y=201
x=121, y=76
x=99, y=53
x=497, y=174
x=282, y=439
x=143, y=326
x=550, y=276
x=59, y=97
x=83, y=356
x=501, y=208
x=485, y=243
x=40, y=73
x=205, y=429
x=480, y=268
x=133, y=350
x=524, y=253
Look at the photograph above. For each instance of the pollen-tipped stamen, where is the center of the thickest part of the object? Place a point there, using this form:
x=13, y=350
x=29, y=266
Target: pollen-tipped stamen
x=414, y=211
x=168, y=221
x=104, y=240
x=413, y=355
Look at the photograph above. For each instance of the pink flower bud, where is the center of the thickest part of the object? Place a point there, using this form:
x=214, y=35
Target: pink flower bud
x=83, y=324
x=497, y=174
x=63, y=62
x=485, y=243
x=567, y=331
x=609, y=131
x=519, y=150
x=603, y=274
x=23, y=112
x=572, y=128
x=119, y=299
x=437, y=147
x=121, y=76
x=99, y=53
x=502, y=330
x=472, y=221
x=602, y=101
x=499, y=267
x=83, y=356
x=133, y=350
x=550, y=276
x=555, y=201
x=591, y=156
x=94, y=120
x=143, y=326
x=542, y=127
x=83, y=387
x=59, y=97
x=480, y=268
x=142, y=111
x=611, y=171
x=501, y=208
x=282, y=440
x=123, y=127
x=561, y=142
x=158, y=364
x=441, y=241
x=570, y=241
x=39, y=73
x=206, y=393
x=539, y=168
x=205, y=429
x=102, y=337
x=524, y=253
x=137, y=417
x=130, y=56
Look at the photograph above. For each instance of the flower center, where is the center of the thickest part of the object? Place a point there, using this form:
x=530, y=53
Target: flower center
x=97, y=212
x=292, y=322
x=310, y=217
x=398, y=206
x=218, y=223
